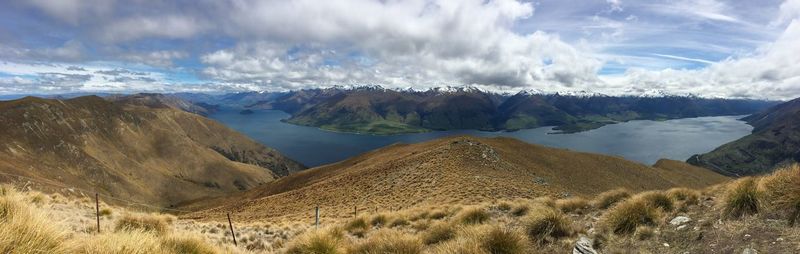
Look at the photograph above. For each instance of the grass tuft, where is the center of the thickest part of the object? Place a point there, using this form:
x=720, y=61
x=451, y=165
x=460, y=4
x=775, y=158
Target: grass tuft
x=520, y=210
x=504, y=206
x=782, y=191
x=572, y=205
x=399, y=222
x=188, y=244
x=439, y=232
x=25, y=230
x=685, y=195
x=500, y=240
x=357, y=227
x=609, y=198
x=389, y=241
x=546, y=223
x=474, y=215
x=741, y=198
x=144, y=222
x=626, y=216
x=317, y=242
x=379, y=220
x=658, y=200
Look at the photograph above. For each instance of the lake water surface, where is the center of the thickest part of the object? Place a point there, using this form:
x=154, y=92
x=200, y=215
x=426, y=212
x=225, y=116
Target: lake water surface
x=643, y=141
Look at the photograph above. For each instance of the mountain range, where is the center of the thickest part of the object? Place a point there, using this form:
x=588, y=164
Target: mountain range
x=376, y=110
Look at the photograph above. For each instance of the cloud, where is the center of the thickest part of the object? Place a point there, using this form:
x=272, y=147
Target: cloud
x=789, y=10
x=171, y=26
x=159, y=58
x=770, y=72
x=607, y=46
x=72, y=11
x=698, y=60
x=614, y=5
x=421, y=43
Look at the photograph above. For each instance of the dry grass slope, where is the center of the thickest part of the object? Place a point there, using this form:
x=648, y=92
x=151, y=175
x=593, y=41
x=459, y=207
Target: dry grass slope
x=641, y=223
x=160, y=156
x=455, y=170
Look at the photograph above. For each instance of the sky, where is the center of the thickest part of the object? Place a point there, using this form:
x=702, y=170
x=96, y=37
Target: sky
x=710, y=48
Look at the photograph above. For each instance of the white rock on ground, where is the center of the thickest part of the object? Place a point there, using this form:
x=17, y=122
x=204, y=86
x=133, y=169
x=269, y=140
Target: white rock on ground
x=583, y=246
x=680, y=220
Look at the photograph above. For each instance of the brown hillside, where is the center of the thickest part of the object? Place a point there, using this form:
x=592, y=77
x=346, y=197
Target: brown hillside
x=160, y=156
x=687, y=175
x=454, y=170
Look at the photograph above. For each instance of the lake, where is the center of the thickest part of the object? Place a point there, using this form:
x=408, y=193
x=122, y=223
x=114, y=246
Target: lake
x=643, y=141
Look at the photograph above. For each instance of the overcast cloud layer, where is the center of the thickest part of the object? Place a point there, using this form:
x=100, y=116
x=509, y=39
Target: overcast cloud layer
x=713, y=48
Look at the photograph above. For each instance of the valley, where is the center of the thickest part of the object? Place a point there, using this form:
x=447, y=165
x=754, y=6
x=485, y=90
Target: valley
x=677, y=139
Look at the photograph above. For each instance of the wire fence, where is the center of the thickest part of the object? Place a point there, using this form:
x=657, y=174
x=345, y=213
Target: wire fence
x=125, y=202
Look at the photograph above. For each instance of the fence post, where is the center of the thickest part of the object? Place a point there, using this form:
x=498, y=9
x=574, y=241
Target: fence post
x=355, y=211
x=230, y=224
x=97, y=210
x=316, y=215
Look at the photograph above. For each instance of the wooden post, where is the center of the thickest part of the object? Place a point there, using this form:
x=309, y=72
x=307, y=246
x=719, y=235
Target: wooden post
x=97, y=210
x=230, y=224
x=316, y=215
x=355, y=211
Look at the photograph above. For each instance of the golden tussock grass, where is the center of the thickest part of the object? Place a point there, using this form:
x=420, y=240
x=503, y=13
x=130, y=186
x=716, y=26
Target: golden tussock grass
x=325, y=241
x=485, y=239
x=24, y=230
x=741, y=198
x=388, y=241
x=639, y=210
x=357, y=227
x=379, y=220
x=145, y=222
x=520, y=210
x=189, y=244
x=546, y=201
x=504, y=206
x=572, y=205
x=657, y=199
x=473, y=215
x=684, y=195
x=545, y=224
x=503, y=240
x=439, y=232
x=609, y=198
x=782, y=193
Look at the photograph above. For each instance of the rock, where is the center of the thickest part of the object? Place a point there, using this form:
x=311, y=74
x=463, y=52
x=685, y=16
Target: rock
x=583, y=246
x=681, y=227
x=666, y=245
x=680, y=220
x=780, y=239
x=749, y=251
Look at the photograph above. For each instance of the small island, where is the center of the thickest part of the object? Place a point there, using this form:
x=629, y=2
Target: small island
x=246, y=112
